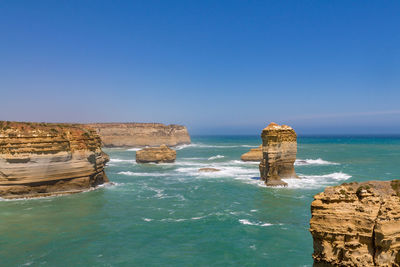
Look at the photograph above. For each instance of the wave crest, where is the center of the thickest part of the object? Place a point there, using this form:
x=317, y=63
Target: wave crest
x=319, y=161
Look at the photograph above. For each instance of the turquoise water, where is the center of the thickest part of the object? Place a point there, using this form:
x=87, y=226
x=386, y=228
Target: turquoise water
x=171, y=215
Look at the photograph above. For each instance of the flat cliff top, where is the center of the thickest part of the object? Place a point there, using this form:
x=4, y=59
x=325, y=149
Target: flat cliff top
x=34, y=137
x=275, y=126
x=377, y=188
x=133, y=124
x=42, y=129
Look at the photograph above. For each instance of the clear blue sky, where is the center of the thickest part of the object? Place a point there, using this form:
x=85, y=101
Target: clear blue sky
x=215, y=66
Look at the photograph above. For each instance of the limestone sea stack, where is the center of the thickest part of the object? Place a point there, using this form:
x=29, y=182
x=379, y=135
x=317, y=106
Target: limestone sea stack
x=161, y=154
x=43, y=159
x=255, y=154
x=357, y=224
x=279, y=154
x=141, y=134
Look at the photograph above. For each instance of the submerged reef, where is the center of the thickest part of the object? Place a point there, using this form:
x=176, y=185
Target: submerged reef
x=357, y=224
x=279, y=151
x=44, y=159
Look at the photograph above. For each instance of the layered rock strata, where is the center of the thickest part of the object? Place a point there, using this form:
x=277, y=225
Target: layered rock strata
x=255, y=154
x=40, y=159
x=279, y=150
x=161, y=154
x=141, y=134
x=357, y=224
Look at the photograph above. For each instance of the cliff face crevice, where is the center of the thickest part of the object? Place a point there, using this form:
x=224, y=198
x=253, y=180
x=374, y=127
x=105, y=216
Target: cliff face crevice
x=357, y=224
x=279, y=151
x=141, y=134
x=39, y=159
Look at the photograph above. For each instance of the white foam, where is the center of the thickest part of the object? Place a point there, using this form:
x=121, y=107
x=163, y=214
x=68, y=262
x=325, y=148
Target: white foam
x=200, y=145
x=173, y=220
x=305, y=162
x=316, y=181
x=216, y=157
x=198, y=218
x=241, y=162
x=224, y=171
x=129, y=173
x=247, y=222
x=147, y=219
x=134, y=149
x=122, y=160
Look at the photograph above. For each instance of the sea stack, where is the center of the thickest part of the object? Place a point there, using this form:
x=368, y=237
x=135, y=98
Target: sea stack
x=44, y=159
x=141, y=134
x=161, y=154
x=255, y=154
x=279, y=154
x=357, y=224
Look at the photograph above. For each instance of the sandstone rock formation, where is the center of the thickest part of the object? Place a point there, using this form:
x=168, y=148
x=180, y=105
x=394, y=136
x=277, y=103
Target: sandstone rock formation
x=209, y=170
x=255, y=154
x=40, y=159
x=141, y=134
x=279, y=154
x=357, y=224
x=161, y=154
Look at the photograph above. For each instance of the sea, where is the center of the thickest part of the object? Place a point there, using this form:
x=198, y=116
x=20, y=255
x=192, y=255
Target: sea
x=172, y=215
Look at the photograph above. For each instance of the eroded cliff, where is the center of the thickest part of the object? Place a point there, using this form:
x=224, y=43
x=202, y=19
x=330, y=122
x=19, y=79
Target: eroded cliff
x=42, y=159
x=161, y=154
x=357, y=224
x=279, y=150
x=255, y=154
x=141, y=134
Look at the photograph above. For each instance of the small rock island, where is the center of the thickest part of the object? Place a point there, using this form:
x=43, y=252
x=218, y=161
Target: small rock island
x=279, y=151
x=45, y=159
x=357, y=224
x=161, y=154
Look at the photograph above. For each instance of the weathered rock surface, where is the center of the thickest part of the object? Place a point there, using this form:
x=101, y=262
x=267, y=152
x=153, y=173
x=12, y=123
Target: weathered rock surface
x=209, y=170
x=161, y=154
x=279, y=154
x=357, y=224
x=141, y=134
x=255, y=154
x=41, y=159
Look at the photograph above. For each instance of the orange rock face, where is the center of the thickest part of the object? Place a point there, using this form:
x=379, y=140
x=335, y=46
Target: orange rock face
x=141, y=134
x=357, y=224
x=41, y=159
x=255, y=154
x=161, y=154
x=279, y=151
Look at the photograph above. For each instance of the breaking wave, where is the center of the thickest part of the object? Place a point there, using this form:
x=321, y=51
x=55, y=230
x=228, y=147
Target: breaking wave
x=317, y=181
x=247, y=222
x=122, y=160
x=216, y=157
x=129, y=173
x=305, y=162
x=200, y=145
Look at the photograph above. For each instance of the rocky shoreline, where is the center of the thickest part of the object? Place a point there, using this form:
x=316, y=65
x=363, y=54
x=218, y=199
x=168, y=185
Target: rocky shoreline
x=357, y=224
x=45, y=159
x=353, y=224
